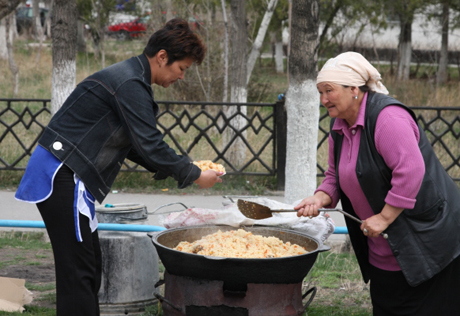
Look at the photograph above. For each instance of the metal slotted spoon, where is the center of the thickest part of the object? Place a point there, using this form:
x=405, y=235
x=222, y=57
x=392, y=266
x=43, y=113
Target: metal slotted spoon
x=258, y=211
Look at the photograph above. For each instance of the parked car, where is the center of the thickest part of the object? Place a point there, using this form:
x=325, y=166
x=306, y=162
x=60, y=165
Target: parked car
x=129, y=30
x=25, y=18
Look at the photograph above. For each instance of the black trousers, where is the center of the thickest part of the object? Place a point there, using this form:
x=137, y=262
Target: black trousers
x=77, y=264
x=392, y=296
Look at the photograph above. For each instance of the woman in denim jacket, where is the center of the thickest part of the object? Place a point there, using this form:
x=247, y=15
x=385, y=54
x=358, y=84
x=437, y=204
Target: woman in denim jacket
x=110, y=116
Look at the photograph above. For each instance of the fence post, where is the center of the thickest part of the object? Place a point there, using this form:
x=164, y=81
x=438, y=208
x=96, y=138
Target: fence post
x=281, y=138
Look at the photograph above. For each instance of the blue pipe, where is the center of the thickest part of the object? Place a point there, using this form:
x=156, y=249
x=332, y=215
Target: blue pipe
x=114, y=227
x=101, y=226
x=341, y=230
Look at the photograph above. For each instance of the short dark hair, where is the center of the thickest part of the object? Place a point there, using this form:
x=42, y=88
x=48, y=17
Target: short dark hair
x=178, y=40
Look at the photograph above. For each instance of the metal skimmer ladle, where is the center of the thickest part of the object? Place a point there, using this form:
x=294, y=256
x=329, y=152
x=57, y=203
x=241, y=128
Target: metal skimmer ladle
x=258, y=211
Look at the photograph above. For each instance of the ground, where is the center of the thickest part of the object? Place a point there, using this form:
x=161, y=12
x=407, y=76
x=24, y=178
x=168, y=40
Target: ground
x=35, y=266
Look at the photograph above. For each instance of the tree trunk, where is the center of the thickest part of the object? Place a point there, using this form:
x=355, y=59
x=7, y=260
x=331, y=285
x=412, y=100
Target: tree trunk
x=9, y=45
x=81, y=42
x=443, y=58
x=236, y=153
x=3, y=39
x=8, y=6
x=260, y=37
x=405, y=48
x=239, y=51
x=279, y=57
x=169, y=10
x=38, y=29
x=49, y=4
x=302, y=101
x=210, y=47
x=225, y=90
x=64, y=39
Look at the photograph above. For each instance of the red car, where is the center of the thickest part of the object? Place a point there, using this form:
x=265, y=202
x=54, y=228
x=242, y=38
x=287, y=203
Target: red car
x=130, y=30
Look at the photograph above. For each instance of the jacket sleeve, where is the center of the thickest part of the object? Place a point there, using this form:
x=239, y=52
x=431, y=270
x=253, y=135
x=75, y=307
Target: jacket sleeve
x=135, y=106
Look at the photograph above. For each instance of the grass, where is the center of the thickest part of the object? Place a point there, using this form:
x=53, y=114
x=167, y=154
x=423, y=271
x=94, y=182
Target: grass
x=23, y=240
x=32, y=310
x=31, y=246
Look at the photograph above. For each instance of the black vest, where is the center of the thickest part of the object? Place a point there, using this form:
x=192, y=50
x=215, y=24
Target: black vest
x=424, y=239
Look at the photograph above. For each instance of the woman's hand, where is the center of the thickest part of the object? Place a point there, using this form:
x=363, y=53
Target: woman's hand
x=208, y=178
x=374, y=225
x=377, y=223
x=310, y=205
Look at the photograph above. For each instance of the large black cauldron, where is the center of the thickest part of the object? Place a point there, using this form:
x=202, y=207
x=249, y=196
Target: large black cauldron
x=284, y=270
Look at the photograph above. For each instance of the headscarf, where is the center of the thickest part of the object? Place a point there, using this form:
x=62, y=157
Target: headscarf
x=351, y=69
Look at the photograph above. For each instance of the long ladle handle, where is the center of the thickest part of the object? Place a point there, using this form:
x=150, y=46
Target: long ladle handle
x=324, y=210
x=384, y=235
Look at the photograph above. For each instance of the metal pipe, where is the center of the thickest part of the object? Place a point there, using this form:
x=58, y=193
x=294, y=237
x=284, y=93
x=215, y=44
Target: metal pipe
x=113, y=227
x=101, y=226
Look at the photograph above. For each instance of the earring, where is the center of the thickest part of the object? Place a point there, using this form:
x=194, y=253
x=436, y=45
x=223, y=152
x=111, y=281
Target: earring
x=356, y=97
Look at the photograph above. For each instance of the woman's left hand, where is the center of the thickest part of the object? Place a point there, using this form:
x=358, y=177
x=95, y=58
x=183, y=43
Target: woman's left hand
x=376, y=224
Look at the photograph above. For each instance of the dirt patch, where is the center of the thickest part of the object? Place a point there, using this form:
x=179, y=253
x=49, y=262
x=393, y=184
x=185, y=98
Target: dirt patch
x=35, y=274
x=36, y=267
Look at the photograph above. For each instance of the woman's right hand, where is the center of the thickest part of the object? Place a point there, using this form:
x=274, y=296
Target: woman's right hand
x=310, y=205
x=208, y=178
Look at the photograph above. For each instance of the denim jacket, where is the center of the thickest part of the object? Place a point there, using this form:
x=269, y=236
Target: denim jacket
x=110, y=116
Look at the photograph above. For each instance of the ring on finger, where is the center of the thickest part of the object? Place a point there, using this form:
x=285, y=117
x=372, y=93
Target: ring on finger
x=365, y=231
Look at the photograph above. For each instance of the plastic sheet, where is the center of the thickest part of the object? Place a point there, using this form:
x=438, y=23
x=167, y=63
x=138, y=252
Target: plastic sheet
x=320, y=227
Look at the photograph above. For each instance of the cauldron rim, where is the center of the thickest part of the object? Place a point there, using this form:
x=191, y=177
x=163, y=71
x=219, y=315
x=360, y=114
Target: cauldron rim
x=320, y=246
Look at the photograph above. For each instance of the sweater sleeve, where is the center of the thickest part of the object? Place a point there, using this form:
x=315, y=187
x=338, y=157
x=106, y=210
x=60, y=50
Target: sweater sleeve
x=396, y=139
x=329, y=184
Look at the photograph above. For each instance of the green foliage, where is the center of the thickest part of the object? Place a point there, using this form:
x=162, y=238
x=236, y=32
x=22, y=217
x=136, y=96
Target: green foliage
x=32, y=310
x=339, y=282
x=153, y=310
x=40, y=287
x=324, y=310
x=23, y=240
x=332, y=268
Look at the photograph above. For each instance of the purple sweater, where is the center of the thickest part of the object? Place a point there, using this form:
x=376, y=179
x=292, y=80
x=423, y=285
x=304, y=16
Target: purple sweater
x=396, y=140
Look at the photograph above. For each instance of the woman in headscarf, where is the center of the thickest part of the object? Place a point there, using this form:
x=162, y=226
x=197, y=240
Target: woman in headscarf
x=383, y=169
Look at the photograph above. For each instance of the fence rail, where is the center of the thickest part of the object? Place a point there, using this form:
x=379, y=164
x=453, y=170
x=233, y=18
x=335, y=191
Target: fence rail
x=212, y=130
